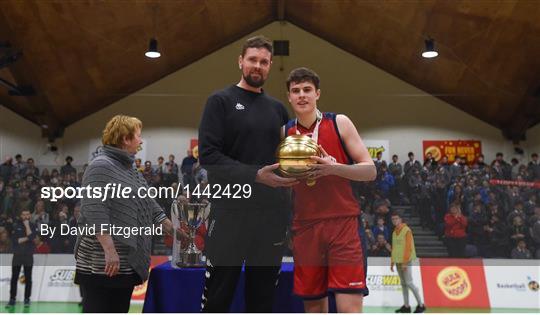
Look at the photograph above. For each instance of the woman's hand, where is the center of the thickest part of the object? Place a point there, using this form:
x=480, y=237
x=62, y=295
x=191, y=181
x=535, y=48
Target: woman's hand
x=112, y=262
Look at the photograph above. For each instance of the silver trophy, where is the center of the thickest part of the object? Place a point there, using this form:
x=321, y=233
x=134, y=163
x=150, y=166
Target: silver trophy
x=187, y=217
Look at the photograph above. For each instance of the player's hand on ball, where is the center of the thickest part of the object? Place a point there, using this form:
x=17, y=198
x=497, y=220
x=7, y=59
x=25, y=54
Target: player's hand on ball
x=325, y=164
x=267, y=177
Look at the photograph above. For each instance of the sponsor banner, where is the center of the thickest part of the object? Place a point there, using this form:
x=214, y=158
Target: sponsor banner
x=454, y=283
x=470, y=149
x=139, y=291
x=57, y=281
x=5, y=277
x=385, y=286
x=520, y=183
x=513, y=283
x=376, y=146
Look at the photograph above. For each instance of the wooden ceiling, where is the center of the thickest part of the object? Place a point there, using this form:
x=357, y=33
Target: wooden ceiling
x=80, y=56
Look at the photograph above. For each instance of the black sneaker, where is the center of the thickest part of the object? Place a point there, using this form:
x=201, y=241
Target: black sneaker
x=420, y=308
x=26, y=302
x=11, y=303
x=404, y=309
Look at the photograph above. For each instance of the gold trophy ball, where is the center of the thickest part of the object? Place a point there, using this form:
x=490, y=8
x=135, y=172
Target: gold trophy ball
x=293, y=155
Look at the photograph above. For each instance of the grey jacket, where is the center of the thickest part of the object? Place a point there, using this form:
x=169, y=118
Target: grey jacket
x=115, y=166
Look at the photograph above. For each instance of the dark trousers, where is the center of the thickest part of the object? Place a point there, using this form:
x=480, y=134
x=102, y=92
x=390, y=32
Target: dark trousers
x=456, y=247
x=221, y=284
x=255, y=237
x=15, y=271
x=100, y=299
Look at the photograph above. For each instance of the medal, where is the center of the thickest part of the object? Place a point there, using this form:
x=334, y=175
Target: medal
x=315, y=136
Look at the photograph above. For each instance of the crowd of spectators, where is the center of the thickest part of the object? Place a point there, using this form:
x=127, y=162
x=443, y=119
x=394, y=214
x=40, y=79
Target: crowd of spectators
x=457, y=200
x=460, y=201
x=20, y=189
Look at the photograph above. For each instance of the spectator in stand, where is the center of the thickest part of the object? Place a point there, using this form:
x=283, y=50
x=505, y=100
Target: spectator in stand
x=381, y=248
x=41, y=246
x=200, y=175
x=430, y=161
x=496, y=235
x=369, y=234
x=518, y=231
x=514, y=168
x=534, y=167
x=382, y=210
x=534, y=231
x=160, y=168
x=504, y=168
x=5, y=244
x=148, y=171
x=67, y=168
x=414, y=181
x=480, y=162
x=385, y=181
x=517, y=212
x=378, y=161
x=7, y=169
x=443, y=162
x=396, y=170
x=478, y=220
x=31, y=169
x=39, y=216
x=169, y=177
x=138, y=165
x=174, y=166
x=411, y=165
x=381, y=228
x=187, y=167
x=455, y=231
x=60, y=243
x=395, y=167
x=455, y=169
x=45, y=176
x=20, y=166
x=521, y=251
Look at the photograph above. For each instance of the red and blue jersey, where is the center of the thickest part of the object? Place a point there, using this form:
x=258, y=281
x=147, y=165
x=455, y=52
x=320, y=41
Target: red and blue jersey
x=331, y=196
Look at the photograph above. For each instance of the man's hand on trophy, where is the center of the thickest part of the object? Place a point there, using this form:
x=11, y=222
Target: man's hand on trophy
x=267, y=177
x=324, y=166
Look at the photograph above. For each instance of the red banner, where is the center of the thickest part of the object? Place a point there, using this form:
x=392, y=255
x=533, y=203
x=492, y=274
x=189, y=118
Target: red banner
x=520, y=183
x=140, y=291
x=470, y=149
x=454, y=283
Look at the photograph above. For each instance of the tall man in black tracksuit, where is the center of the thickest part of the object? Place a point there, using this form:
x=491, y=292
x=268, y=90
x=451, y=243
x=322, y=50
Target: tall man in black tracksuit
x=23, y=255
x=238, y=136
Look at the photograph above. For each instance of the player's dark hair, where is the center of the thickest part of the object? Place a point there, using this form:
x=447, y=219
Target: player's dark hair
x=302, y=74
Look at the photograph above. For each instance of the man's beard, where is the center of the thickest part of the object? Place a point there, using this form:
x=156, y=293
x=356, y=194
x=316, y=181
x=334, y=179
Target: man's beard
x=252, y=82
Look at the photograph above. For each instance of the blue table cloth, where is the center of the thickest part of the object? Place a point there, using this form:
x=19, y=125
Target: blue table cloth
x=173, y=290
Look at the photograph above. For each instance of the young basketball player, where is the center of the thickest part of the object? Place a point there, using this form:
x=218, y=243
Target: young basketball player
x=326, y=246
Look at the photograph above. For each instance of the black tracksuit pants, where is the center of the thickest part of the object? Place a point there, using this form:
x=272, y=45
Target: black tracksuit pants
x=255, y=237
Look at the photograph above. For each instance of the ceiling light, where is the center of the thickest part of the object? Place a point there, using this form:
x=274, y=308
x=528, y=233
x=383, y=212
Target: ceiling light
x=430, y=52
x=152, y=49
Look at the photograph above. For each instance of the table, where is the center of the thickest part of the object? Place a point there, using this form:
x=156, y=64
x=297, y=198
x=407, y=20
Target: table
x=172, y=290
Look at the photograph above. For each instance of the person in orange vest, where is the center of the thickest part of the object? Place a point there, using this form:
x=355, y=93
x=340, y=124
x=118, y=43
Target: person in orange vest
x=403, y=254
